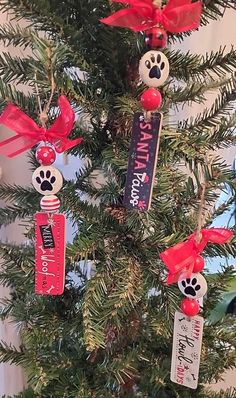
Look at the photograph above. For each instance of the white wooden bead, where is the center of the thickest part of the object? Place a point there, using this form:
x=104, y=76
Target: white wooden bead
x=154, y=68
x=194, y=287
x=47, y=180
x=50, y=204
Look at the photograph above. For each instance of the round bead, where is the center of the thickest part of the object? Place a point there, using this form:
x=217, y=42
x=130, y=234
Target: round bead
x=156, y=37
x=199, y=264
x=47, y=180
x=190, y=307
x=154, y=68
x=50, y=204
x=194, y=287
x=45, y=155
x=151, y=99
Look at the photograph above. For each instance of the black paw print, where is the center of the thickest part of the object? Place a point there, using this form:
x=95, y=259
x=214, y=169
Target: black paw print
x=191, y=287
x=46, y=180
x=156, y=65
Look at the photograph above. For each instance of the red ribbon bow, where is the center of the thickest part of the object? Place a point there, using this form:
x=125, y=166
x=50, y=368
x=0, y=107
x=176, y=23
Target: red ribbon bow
x=28, y=133
x=176, y=17
x=180, y=258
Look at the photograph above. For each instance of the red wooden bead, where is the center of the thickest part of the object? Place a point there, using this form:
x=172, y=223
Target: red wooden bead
x=190, y=307
x=151, y=99
x=199, y=264
x=156, y=38
x=45, y=155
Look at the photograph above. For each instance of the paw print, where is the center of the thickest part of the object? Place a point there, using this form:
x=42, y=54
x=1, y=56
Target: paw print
x=155, y=65
x=194, y=287
x=154, y=68
x=190, y=286
x=46, y=180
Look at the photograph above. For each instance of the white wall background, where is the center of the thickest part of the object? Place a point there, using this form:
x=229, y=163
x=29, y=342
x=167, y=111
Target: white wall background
x=16, y=171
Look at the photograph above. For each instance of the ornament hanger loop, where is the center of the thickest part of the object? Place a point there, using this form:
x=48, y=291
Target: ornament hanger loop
x=157, y=3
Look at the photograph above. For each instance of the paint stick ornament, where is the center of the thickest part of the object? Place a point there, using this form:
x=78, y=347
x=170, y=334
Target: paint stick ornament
x=47, y=180
x=186, y=351
x=142, y=161
x=50, y=254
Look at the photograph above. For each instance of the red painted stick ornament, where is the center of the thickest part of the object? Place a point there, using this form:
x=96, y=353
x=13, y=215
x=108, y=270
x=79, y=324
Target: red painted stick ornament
x=47, y=180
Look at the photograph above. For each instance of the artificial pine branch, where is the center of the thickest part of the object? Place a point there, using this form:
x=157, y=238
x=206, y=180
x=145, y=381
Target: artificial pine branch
x=8, y=93
x=197, y=67
x=110, y=336
x=16, y=35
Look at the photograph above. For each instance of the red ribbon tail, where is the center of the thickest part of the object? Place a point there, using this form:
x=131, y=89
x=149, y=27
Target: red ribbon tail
x=25, y=129
x=182, y=16
x=16, y=145
x=63, y=124
x=217, y=235
x=128, y=18
x=16, y=120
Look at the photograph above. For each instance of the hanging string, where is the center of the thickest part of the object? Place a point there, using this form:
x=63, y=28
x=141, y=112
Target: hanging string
x=157, y=3
x=42, y=121
x=201, y=212
x=43, y=112
x=43, y=117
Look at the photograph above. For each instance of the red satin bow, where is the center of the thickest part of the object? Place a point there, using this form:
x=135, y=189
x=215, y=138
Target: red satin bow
x=28, y=133
x=180, y=258
x=176, y=17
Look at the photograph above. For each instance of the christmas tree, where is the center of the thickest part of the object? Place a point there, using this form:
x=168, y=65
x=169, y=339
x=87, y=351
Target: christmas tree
x=111, y=335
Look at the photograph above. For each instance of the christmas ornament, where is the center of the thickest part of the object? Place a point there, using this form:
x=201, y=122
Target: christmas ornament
x=194, y=287
x=176, y=17
x=45, y=155
x=186, y=352
x=181, y=260
x=156, y=37
x=151, y=99
x=142, y=161
x=47, y=180
x=154, y=68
